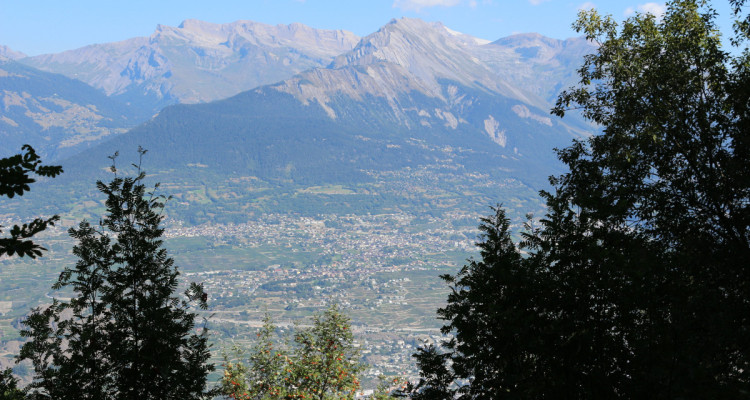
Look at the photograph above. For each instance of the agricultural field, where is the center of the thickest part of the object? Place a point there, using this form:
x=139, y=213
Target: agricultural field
x=382, y=269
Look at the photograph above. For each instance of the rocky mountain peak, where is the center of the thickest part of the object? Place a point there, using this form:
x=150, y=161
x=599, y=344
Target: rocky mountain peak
x=8, y=53
x=197, y=25
x=430, y=53
x=404, y=60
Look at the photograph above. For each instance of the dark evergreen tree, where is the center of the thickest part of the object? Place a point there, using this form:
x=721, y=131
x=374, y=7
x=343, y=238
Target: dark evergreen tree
x=124, y=334
x=436, y=381
x=492, y=313
x=636, y=282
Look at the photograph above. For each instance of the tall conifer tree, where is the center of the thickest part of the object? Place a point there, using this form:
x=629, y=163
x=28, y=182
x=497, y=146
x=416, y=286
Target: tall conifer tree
x=124, y=334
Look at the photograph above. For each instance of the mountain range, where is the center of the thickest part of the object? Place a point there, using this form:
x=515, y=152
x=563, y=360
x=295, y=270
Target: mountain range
x=412, y=117
x=198, y=61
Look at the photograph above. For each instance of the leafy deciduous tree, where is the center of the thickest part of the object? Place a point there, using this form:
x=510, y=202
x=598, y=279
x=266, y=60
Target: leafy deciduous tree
x=320, y=363
x=636, y=282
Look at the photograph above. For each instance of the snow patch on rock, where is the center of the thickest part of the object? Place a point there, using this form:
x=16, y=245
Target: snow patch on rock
x=524, y=112
x=492, y=128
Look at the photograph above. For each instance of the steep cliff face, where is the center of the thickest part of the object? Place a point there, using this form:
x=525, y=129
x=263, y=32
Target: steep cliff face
x=198, y=61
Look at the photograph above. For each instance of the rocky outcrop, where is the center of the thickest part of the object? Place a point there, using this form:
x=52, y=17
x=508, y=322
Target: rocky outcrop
x=8, y=53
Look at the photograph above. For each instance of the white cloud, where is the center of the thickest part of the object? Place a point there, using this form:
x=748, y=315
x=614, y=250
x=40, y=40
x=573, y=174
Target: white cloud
x=537, y=2
x=587, y=6
x=417, y=5
x=657, y=9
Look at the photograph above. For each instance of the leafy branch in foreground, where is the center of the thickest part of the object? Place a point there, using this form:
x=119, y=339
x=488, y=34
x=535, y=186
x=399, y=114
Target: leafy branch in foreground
x=15, y=178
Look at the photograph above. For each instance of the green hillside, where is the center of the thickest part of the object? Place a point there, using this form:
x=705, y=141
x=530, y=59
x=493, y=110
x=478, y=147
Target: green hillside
x=59, y=116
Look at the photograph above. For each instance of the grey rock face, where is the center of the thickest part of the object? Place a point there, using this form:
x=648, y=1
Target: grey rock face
x=430, y=52
x=409, y=57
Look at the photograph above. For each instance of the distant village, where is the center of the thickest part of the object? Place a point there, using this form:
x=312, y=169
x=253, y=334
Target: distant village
x=366, y=264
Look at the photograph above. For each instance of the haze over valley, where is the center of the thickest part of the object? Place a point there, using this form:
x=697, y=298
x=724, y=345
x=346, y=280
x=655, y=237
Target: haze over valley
x=305, y=166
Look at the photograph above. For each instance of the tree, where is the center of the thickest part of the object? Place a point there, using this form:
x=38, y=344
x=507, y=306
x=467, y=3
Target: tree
x=15, y=180
x=437, y=379
x=9, y=389
x=491, y=312
x=635, y=283
x=661, y=201
x=261, y=376
x=124, y=334
x=321, y=363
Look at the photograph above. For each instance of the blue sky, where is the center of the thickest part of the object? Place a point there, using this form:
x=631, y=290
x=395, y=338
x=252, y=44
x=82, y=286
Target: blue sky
x=50, y=26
